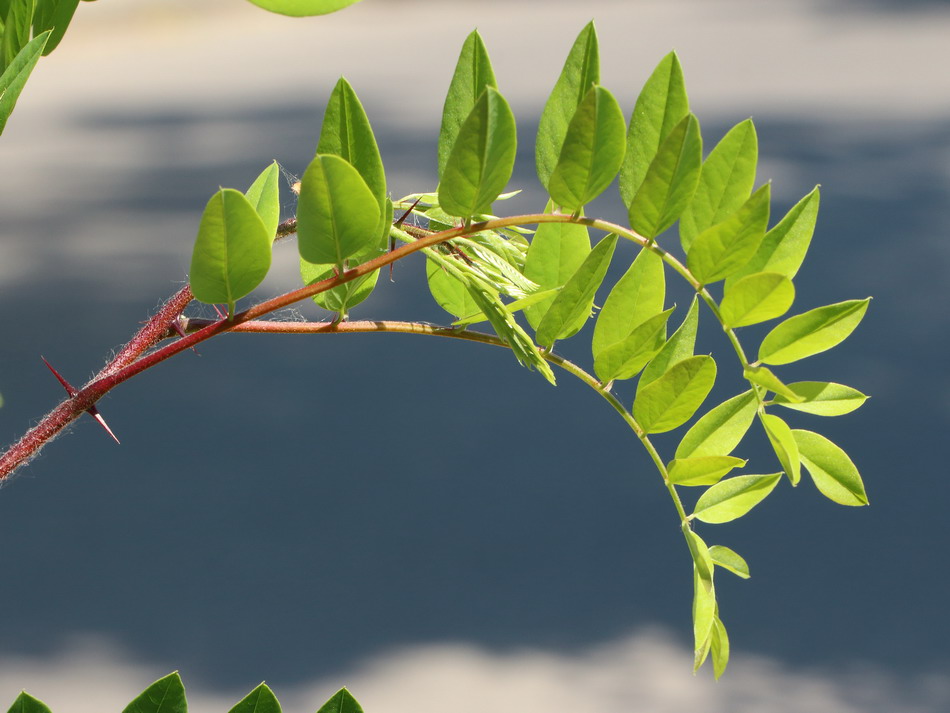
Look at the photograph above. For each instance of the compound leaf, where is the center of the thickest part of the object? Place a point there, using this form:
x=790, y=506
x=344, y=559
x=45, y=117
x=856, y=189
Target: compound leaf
x=822, y=398
x=812, y=332
x=731, y=499
x=756, y=298
x=482, y=158
x=166, y=695
x=833, y=473
x=673, y=398
x=260, y=700
x=719, y=431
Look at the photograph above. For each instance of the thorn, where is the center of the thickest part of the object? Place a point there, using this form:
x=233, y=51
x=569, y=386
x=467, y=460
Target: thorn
x=71, y=390
x=405, y=215
x=218, y=311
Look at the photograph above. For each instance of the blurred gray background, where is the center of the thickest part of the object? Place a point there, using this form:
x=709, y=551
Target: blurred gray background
x=423, y=520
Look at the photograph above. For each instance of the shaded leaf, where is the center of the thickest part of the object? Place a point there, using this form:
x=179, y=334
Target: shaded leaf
x=625, y=359
x=731, y=499
x=16, y=25
x=303, y=8
x=701, y=470
x=264, y=195
x=581, y=71
x=832, y=471
x=341, y=702
x=673, y=398
x=16, y=73
x=166, y=695
x=812, y=332
x=25, y=703
x=678, y=347
x=756, y=298
x=730, y=560
x=719, y=431
x=591, y=153
x=822, y=398
x=53, y=15
x=482, y=158
x=784, y=445
x=260, y=700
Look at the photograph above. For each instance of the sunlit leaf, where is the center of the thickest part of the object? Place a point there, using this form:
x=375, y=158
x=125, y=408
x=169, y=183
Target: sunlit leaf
x=260, y=700
x=482, y=158
x=756, y=298
x=719, y=431
x=670, y=180
x=625, y=359
x=264, y=195
x=704, y=615
x=232, y=252
x=673, y=398
x=303, y=8
x=337, y=213
x=450, y=293
x=581, y=71
x=812, y=332
x=25, y=703
x=730, y=499
x=166, y=695
x=577, y=296
x=719, y=251
x=14, y=77
x=661, y=105
x=784, y=445
x=473, y=72
x=832, y=471
x=701, y=470
x=591, y=153
x=823, y=398
x=701, y=558
x=719, y=647
x=341, y=702
x=730, y=560
x=725, y=182
x=678, y=347
x=763, y=376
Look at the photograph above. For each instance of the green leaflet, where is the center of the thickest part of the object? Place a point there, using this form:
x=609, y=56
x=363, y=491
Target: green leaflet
x=264, y=195
x=53, y=15
x=473, y=73
x=670, y=180
x=727, y=559
x=303, y=8
x=704, y=616
x=721, y=250
x=764, y=377
x=731, y=499
x=719, y=647
x=673, y=398
x=718, y=432
x=25, y=703
x=625, y=359
x=784, y=445
x=812, y=332
x=678, y=347
x=701, y=470
x=784, y=246
x=564, y=317
x=450, y=293
x=701, y=559
x=517, y=305
x=232, y=251
x=166, y=695
x=591, y=153
x=16, y=73
x=823, y=398
x=756, y=298
x=556, y=251
x=482, y=158
x=16, y=27
x=636, y=297
x=830, y=468
x=337, y=213
x=260, y=700
x=662, y=104
x=346, y=132
x=341, y=702
x=581, y=71
x=725, y=182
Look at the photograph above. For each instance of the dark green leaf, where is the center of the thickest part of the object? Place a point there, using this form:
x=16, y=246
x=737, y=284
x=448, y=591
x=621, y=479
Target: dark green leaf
x=53, y=15
x=303, y=8
x=662, y=105
x=756, y=298
x=719, y=431
x=812, y=332
x=725, y=182
x=678, y=347
x=701, y=470
x=581, y=71
x=557, y=250
x=834, y=474
x=625, y=359
x=264, y=195
x=166, y=695
x=232, y=251
x=482, y=158
x=473, y=72
x=25, y=703
x=731, y=499
x=16, y=29
x=673, y=398
x=260, y=700
x=783, y=443
x=341, y=702
x=721, y=250
x=577, y=297
x=727, y=559
x=591, y=153
x=337, y=213
x=16, y=73
x=822, y=398
x=670, y=180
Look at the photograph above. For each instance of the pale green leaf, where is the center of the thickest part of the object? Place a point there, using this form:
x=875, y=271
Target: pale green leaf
x=264, y=195
x=832, y=471
x=764, y=377
x=516, y=306
x=625, y=359
x=721, y=250
x=636, y=297
x=719, y=647
x=450, y=293
x=725, y=182
x=303, y=8
x=701, y=470
x=704, y=616
x=580, y=72
x=701, y=558
x=719, y=431
x=812, y=332
x=823, y=398
x=673, y=398
x=730, y=560
x=756, y=298
x=731, y=499
x=784, y=445
x=678, y=347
